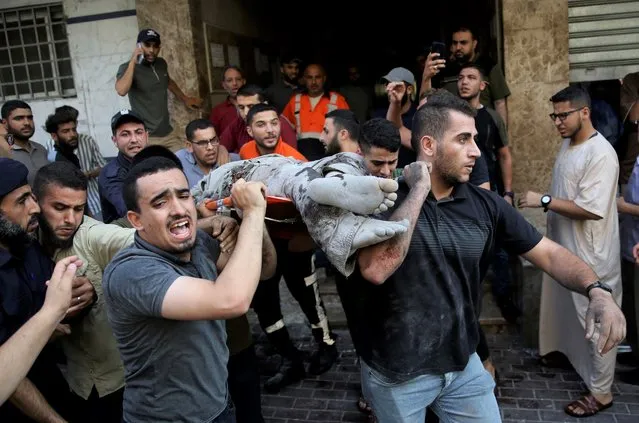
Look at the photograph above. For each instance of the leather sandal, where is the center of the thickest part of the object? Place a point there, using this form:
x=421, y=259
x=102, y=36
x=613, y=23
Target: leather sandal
x=588, y=404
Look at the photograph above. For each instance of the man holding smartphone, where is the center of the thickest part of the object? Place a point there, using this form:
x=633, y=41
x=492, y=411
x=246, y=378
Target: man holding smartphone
x=145, y=78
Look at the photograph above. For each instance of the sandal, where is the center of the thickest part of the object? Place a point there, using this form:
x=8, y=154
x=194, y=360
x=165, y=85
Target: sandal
x=588, y=404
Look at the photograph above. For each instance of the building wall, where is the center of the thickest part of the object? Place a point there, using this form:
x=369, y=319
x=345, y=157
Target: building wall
x=97, y=48
x=536, y=65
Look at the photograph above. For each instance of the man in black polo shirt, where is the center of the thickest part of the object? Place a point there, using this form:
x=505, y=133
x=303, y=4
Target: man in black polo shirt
x=415, y=319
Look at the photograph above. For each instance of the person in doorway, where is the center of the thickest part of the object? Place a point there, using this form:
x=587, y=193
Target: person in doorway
x=279, y=93
x=415, y=277
x=164, y=309
x=358, y=96
x=145, y=78
x=306, y=111
x=463, y=49
x=225, y=113
x=17, y=119
x=582, y=218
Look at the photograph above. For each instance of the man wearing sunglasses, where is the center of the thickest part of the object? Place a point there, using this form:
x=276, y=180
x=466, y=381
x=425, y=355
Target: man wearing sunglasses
x=583, y=218
x=202, y=153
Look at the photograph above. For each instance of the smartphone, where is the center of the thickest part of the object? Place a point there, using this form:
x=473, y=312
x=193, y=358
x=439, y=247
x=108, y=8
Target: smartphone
x=9, y=139
x=439, y=47
x=140, y=56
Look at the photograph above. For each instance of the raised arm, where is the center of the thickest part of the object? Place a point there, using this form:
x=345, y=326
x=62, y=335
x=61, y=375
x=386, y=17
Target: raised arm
x=230, y=295
x=124, y=78
x=378, y=262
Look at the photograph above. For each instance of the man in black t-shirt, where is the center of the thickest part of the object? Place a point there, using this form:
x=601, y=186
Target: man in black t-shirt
x=414, y=321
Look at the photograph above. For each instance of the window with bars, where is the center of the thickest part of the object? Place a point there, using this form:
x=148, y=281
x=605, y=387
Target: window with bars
x=35, y=61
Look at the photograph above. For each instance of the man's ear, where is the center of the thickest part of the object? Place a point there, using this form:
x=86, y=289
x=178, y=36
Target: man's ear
x=483, y=85
x=250, y=131
x=342, y=134
x=428, y=146
x=474, y=45
x=134, y=218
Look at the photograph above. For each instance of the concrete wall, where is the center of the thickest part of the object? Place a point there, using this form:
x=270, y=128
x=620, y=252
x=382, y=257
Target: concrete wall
x=97, y=49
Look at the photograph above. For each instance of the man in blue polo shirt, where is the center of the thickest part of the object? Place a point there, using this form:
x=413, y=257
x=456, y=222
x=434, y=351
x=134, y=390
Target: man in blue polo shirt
x=414, y=321
x=130, y=137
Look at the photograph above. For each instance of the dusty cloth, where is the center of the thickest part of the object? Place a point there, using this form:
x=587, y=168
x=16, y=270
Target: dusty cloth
x=332, y=228
x=586, y=174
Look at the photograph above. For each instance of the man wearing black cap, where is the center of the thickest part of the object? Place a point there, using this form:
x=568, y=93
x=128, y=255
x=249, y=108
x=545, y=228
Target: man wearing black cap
x=145, y=78
x=24, y=270
x=280, y=92
x=130, y=137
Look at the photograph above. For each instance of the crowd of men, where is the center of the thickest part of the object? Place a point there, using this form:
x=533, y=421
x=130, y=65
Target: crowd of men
x=111, y=269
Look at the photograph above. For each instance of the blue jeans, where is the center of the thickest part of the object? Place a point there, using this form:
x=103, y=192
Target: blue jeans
x=456, y=397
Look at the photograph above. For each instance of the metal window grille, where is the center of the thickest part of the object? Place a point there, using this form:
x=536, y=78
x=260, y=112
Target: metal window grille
x=35, y=61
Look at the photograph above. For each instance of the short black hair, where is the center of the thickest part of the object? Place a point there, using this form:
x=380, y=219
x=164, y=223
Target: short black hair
x=62, y=174
x=60, y=117
x=472, y=65
x=249, y=90
x=433, y=118
x=233, y=67
x=380, y=133
x=345, y=119
x=196, y=125
x=11, y=105
x=259, y=108
x=464, y=28
x=146, y=167
x=574, y=94
x=68, y=109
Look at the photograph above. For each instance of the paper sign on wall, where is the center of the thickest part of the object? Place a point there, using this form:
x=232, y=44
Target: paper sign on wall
x=234, y=55
x=217, y=55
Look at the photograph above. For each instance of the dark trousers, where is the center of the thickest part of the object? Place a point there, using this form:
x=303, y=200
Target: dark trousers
x=501, y=285
x=94, y=409
x=298, y=271
x=244, y=386
x=630, y=303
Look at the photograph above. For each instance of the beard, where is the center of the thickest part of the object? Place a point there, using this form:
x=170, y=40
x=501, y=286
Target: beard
x=14, y=237
x=333, y=147
x=51, y=238
x=446, y=169
x=19, y=136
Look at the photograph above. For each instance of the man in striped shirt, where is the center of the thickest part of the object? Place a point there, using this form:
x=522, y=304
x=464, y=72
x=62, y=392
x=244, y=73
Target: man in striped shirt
x=91, y=161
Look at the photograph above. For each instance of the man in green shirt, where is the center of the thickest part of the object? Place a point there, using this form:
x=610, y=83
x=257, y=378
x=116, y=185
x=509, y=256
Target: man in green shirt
x=145, y=78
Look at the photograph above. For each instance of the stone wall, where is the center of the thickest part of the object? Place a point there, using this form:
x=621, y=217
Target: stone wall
x=536, y=65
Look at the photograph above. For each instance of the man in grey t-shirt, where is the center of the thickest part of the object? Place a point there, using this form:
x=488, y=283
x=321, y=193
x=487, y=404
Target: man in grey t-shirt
x=166, y=301
x=145, y=78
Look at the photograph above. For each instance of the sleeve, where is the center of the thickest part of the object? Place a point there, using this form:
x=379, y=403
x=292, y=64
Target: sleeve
x=598, y=181
x=513, y=230
x=121, y=70
x=97, y=159
x=501, y=128
x=498, y=87
x=479, y=175
x=139, y=285
x=341, y=102
x=228, y=140
x=289, y=112
x=107, y=240
x=288, y=133
x=111, y=190
x=632, y=190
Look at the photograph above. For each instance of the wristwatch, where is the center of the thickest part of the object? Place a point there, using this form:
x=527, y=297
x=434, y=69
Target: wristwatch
x=545, y=201
x=509, y=194
x=598, y=284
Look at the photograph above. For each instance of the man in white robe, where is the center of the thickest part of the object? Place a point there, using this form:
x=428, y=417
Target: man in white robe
x=582, y=216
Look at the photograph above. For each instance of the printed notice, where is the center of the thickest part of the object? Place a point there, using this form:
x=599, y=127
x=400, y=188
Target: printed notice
x=217, y=55
x=234, y=55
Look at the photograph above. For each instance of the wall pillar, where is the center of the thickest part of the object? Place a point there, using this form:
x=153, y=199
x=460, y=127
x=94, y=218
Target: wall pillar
x=536, y=65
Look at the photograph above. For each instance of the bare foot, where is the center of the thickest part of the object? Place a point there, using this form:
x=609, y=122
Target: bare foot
x=374, y=231
x=358, y=194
